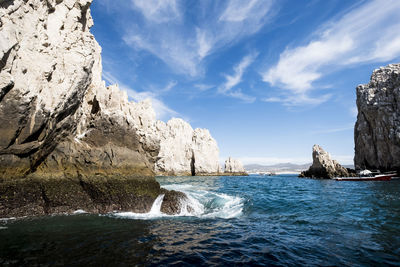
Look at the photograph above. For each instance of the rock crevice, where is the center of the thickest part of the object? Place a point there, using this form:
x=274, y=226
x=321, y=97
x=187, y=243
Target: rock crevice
x=377, y=130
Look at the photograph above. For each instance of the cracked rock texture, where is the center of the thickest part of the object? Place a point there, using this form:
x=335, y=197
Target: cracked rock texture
x=184, y=151
x=377, y=130
x=234, y=167
x=325, y=167
x=67, y=141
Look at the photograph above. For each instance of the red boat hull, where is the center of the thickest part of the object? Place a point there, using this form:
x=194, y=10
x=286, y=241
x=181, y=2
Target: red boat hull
x=375, y=178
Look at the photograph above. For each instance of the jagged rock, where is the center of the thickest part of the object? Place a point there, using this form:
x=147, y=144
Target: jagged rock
x=67, y=141
x=324, y=167
x=377, y=130
x=184, y=151
x=234, y=167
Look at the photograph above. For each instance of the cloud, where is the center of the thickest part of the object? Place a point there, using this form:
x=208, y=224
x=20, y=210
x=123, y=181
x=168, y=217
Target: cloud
x=163, y=112
x=239, y=11
x=158, y=11
x=204, y=87
x=183, y=36
x=298, y=99
x=367, y=33
x=233, y=80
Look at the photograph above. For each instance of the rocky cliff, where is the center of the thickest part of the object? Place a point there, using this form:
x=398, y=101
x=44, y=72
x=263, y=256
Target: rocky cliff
x=323, y=167
x=377, y=130
x=184, y=151
x=67, y=141
x=234, y=167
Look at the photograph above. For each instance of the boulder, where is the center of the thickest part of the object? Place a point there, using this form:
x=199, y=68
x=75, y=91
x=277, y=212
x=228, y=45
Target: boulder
x=323, y=167
x=377, y=130
x=234, y=167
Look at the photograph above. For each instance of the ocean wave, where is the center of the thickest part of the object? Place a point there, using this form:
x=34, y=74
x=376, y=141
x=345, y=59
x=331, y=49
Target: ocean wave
x=203, y=203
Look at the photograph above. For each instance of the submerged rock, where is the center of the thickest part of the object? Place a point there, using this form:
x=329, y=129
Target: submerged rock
x=324, y=167
x=377, y=130
x=234, y=167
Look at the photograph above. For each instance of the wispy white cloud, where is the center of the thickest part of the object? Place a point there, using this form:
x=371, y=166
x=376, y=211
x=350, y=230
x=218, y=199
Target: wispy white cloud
x=163, y=112
x=204, y=87
x=183, y=43
x=355, y=38
x=238, y=10
x=158, y=11
x=290, y=100
x=236, y=78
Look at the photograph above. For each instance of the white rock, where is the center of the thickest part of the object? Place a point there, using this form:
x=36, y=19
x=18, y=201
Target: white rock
x=234, y=166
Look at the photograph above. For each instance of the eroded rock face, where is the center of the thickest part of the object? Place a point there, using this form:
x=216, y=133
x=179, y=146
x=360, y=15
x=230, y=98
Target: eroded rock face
x=47, y=54
x=234, y=167
x=67, y=141
x=184, y=151
x=377, y=130
x=324, y=167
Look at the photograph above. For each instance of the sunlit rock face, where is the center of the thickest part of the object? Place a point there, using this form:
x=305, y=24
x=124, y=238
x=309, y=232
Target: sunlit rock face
x=184, y=151
x=234, y=167
x=67, y=141
x=324, y=166
x=377, y=130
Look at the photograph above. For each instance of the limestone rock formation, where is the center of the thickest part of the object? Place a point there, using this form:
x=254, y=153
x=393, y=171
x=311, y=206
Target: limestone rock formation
x=324, y=167
x=67, y=141
x=234, y=167
x=377, y=130
x=184, y=151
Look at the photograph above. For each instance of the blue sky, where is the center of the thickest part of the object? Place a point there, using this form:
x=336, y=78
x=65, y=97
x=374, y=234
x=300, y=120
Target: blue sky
x=268, y=78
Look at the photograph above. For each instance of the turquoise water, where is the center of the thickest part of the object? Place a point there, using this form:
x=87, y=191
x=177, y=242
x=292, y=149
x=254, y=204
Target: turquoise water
x=255, y=220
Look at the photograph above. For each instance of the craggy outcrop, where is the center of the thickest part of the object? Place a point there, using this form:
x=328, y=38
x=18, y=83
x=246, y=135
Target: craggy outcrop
x=377, y=130
x=323, y=167
x=186, y=152
x=67, y=141
x=234, y=167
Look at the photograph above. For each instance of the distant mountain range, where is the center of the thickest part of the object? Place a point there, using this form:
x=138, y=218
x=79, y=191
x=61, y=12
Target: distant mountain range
x=280, y=168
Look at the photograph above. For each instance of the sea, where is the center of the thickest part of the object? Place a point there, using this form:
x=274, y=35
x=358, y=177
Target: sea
x=234, y=221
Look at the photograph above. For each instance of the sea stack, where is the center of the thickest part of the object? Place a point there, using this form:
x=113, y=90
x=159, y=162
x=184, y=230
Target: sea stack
x=184, y=151
x=234, y=167
x=377, y=130
x=323, y=167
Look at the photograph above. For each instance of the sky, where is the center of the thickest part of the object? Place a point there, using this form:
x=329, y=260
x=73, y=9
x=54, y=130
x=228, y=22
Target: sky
x=268, y=78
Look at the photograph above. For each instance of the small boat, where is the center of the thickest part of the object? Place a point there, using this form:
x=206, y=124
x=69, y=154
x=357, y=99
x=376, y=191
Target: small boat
x=368, y=176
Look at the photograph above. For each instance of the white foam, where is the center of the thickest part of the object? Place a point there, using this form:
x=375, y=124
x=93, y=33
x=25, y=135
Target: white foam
x=202, y=203
x=155, y=211
x=79, y=212
x=3, y=228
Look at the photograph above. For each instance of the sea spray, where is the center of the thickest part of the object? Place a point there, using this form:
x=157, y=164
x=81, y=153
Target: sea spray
x=200, y=202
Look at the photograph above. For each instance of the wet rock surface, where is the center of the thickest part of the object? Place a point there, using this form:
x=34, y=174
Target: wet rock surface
x=174, y=203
